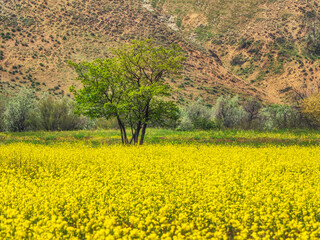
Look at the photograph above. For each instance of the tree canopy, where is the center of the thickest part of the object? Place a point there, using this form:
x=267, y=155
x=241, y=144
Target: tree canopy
x=130, y=86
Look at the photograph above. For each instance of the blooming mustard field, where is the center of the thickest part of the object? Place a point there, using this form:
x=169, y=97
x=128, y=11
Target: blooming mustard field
x=75, y=191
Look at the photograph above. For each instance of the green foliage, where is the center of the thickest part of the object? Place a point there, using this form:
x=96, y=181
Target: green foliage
x=310, y=108
x=196, y=116
x=286, y=48
x=179, y=22
x=102, y=123
x=237, y=60
x=252, y=107
x=312, y=37
x=245, y=43
x=280, y=117
x=256, y=138
x=229, y=112
x=19, y=111
x=204, y=33
x=57, y=114
x=24, y=113
x=130, y=86
x=3, y=102
x=156, y=3
x=6, y=36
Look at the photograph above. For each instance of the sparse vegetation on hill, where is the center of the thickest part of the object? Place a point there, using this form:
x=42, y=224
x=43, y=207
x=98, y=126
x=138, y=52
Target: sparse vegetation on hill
x=273, y=45
x=39, y=37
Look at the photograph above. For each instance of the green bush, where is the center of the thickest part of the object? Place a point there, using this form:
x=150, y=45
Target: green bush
x=196, y=116
x=20, y=113
x=280, y=117
x=229, y=112
x=3, y=102
x=252, y=107
x=57, y=114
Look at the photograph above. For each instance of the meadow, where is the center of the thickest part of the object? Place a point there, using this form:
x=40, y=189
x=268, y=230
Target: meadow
x=165, y=136
x=180, y=185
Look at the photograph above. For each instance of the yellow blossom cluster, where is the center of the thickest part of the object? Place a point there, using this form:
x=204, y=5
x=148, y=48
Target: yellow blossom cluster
x=76, y=191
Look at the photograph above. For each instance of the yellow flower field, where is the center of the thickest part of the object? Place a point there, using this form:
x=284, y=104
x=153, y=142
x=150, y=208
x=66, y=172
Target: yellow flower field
x=159, y=192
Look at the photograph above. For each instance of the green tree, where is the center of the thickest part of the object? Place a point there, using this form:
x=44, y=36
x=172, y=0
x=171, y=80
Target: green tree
x=130, y=87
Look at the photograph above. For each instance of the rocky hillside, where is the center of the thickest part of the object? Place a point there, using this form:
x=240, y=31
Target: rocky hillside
x=274, y=45
x=264, y=48
x=39, y=37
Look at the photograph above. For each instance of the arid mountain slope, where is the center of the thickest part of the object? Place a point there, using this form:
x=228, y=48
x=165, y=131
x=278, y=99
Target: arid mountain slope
x=273, y=45
x=38, y=37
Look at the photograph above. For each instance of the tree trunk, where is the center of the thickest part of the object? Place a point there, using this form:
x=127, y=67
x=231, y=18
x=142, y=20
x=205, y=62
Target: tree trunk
x=124, y=137
x=136, y=136
x=126, y=141
x=143, y=133
x=146, y=119
x=121, y=132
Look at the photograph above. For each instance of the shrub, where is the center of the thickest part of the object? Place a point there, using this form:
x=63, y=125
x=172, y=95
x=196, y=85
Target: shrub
x=3, y=102
x=20, y=112
x=313, y=41
x=252, y=107
x=310, y=108
x=280, y=117
x=237, y=60
x=196, y=116
x=229, y=113
x=57, y=114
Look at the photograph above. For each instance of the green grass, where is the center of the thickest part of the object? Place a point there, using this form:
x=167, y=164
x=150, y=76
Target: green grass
x=164, y=136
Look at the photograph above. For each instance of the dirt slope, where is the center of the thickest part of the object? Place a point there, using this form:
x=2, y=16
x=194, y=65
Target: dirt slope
x=38, y=38
x=274, y=45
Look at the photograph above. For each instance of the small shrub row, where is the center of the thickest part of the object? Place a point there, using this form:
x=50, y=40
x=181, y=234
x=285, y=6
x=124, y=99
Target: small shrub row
x=231, y=113
x=24, y=113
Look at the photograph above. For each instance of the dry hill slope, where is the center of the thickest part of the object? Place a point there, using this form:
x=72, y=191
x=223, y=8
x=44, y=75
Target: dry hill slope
x=272, y=44
x=38, y=38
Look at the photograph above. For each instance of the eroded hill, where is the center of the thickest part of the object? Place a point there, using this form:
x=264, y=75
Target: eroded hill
x=38, y=38
x=273, y=45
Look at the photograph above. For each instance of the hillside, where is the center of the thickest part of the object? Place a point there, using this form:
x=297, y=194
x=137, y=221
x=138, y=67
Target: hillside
x=273, y=45
x=260, y=47
x=39, y=37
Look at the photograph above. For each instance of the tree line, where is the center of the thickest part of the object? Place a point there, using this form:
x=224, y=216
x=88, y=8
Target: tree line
x=130, y=88
x=232, y=113
x=25, y=113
